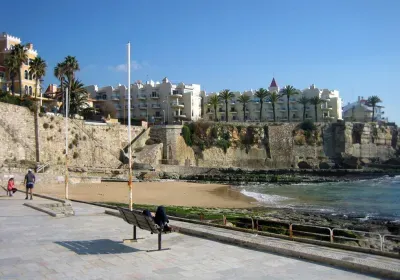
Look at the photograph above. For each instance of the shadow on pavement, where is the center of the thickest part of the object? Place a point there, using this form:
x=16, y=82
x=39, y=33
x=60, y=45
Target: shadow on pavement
x=95, y=247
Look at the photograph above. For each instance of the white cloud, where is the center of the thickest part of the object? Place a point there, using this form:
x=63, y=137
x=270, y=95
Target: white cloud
x=135, y=65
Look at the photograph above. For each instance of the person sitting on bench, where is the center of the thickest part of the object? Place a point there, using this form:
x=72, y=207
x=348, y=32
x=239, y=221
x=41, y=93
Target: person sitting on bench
x=161, y=218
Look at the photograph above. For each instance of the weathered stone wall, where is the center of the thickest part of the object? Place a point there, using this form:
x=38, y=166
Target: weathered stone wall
x=275, y=146
x=99, y=146
x=90, y=145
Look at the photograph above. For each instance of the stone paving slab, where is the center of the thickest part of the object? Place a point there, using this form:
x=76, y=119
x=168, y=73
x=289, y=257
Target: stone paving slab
x=382, y=266
x=34, y=245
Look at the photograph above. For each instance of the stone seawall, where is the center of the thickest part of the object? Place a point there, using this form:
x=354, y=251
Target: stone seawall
x=94, y=145
x=281, y=145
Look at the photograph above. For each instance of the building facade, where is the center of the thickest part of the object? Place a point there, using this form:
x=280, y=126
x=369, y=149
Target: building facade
x=359, y=111
x=7, y=43
x=156, y=102
x=329, y=110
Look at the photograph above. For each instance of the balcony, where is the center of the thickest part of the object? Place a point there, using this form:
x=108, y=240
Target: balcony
x=210, y=112
x=157, y=117
x=233, y=111
x=155, y=96
x=156, y=106
x=177, y=105
x=282, y=109
x=143, y=106
x=326, y=108
x=293, y=109
x=115, y=97
x=182, y=115
x=141, y=97
x=281, y=100
x=177, y=94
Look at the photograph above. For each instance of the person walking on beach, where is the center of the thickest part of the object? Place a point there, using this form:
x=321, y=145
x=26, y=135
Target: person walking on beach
x=29, y=182
x=11, y=187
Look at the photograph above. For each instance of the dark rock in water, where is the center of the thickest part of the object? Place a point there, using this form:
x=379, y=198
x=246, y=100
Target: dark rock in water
x=325, y=165
x=304, y=165
x=393, y=161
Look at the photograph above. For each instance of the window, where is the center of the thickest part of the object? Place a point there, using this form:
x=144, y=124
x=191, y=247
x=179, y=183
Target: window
x=26, y=74
x=104, y=96
x=30, y=90
x=26, y=89
x=30, y=76
x=2, y=76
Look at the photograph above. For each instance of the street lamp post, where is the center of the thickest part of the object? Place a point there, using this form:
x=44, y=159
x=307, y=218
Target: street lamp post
x=164, y=116
x=166, y=105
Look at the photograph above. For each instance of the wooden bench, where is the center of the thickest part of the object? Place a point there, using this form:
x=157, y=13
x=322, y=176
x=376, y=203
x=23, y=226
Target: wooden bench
x=141, y=221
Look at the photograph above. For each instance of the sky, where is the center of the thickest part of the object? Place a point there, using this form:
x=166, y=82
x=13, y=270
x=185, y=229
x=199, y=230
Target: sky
x=348, y=45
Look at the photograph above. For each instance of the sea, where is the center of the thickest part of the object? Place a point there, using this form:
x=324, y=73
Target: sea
x=364, y=199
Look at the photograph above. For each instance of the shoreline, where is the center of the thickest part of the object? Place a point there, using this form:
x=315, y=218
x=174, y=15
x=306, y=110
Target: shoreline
x=167, y=193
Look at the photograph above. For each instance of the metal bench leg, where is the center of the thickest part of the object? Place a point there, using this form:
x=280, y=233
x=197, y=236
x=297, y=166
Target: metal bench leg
x=134, y=237
x=159, y=245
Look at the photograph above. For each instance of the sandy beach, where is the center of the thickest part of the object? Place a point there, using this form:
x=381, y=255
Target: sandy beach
x=155, y=193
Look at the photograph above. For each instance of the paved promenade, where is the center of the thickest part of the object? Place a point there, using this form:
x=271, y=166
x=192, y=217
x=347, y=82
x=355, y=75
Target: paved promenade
x=34, y=245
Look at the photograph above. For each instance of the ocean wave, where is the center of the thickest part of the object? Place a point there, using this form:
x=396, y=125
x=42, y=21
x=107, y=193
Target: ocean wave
x=265, y=198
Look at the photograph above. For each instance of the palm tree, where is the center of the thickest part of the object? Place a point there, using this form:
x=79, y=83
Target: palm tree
x=226, y=95
x=59, y=73
x=244, y=99
x=273, y=98
x=214, y=102
x=262, y=94
x=78, y=100
x=304, y=101
x=38, y=70
x=316, y=100
x=289, y=91
x=12, y=69
x=372, y=101
x=20, y=55
x=70, y=65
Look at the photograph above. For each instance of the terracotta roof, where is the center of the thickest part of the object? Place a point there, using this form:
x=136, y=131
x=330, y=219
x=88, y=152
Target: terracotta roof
x=273, y=83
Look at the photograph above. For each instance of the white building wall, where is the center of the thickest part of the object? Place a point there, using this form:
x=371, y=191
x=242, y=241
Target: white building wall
x=329, y=110
x=153, y=101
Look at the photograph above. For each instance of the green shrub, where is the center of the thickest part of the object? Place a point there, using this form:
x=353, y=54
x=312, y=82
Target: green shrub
x=70, y=146
x=308, y=125
x=214, y=132
x=187, y=135
x=75, y=155
x=46, y=125
x=75, y=142
x=223, y=144
x=51, y=126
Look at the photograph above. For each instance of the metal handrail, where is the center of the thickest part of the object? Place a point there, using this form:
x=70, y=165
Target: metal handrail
x=330, y=235
x=396, y=237
x=357, y=239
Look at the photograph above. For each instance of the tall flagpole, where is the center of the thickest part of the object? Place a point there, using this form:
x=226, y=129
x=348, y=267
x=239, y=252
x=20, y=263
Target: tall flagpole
x=129, y=127
x=66, y=142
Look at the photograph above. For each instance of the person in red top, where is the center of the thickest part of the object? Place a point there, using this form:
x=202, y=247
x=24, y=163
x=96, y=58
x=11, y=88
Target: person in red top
x=11, y=187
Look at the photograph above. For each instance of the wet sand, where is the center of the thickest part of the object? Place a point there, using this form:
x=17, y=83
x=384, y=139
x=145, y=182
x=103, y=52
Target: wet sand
x=155, y=193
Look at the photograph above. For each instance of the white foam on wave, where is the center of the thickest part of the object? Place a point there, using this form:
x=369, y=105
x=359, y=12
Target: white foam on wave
x=265, y=198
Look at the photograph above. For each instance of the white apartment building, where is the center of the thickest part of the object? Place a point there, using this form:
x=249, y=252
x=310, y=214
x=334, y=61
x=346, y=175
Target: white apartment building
x=359, y=111
x=153, y=101
x=329, y=110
